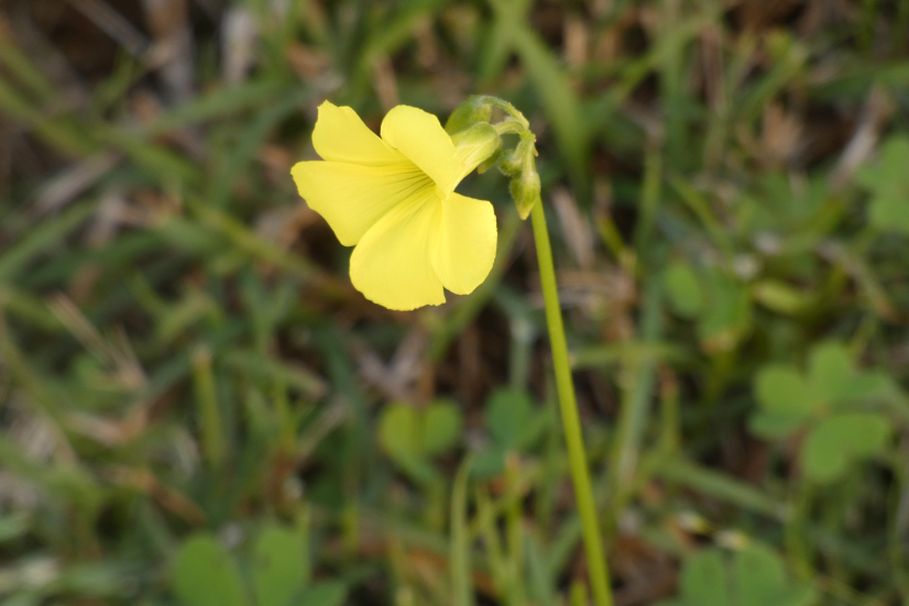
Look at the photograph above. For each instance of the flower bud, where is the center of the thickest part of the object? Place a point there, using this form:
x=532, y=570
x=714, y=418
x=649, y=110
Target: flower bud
x=525, y=188
x=474, y=110
x=476, y=144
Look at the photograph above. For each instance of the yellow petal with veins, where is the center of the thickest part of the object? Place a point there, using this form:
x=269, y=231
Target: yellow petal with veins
x=391, y=264
x=353, y=197
x=419, y=136
x=464, y=245
x=341, y=136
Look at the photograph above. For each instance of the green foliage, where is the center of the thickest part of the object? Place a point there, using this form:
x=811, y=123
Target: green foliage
x=826, y=402
x=412, y=435
x=684, y=289
x=841, y=439
x=718, y=302
x=514, y=424
x=182, y=356
x=280, y=569
x=204, y=573
x=888, y=183
x=512, y=420
x=753, y=576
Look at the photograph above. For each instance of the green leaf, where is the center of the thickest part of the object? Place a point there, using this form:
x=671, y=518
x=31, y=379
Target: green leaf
x=441, y=427
x=488, y=463
x=411, y=434
x=888, y=182
x=755, y=576
x=758, y=576
x=704, y=579
x=831, y=371
x=398, y=431
x=512, y=420
x=326, y=593
x=836, y=380
x=759, y=579
x=780, y=297
x=875, y=385
x=783, y=392
x=890, y=210
x=774, y=425
x=890, y=165
x=726, y=317
x=204, y=574
x=684, y=290
x=280, y=567
x=842, y=440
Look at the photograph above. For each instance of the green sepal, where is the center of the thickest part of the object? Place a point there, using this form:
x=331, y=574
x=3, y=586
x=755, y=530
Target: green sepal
x=525, y=190
x=476, y=144
x=473, y=111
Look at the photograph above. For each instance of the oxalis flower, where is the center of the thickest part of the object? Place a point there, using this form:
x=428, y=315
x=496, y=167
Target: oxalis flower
x=393, y=199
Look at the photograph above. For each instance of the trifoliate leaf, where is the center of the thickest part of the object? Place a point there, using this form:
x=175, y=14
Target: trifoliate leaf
x=843, y=440
x=204, y=574
x=888, y=182
x=512, y=419
x=441, y=426
x=280, y=568
x=783, y=392
x=685, y=292
x=754, y=576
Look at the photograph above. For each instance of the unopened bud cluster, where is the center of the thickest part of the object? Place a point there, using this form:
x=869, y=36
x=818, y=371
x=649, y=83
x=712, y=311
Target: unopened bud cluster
x=476, y=135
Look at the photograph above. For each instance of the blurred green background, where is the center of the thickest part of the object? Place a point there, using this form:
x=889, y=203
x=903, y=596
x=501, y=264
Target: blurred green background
x=197, y=409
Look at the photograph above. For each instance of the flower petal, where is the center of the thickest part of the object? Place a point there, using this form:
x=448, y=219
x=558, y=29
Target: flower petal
x=390, y=265
x=420, y=137
x=464, y=245
x=475, y=145
x=341, y=136
x=353, y=197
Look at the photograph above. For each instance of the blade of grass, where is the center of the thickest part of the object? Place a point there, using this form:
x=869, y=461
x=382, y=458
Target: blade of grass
x=636, y=399
x=210, y=422
x=45, y=237
x=557, y=96
x=60, y=133
x=459, y=557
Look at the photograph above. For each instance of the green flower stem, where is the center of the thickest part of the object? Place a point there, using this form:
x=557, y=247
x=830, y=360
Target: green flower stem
x=571, y=426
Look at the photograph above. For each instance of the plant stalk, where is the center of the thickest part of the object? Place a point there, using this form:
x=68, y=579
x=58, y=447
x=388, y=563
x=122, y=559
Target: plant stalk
x=571, y=426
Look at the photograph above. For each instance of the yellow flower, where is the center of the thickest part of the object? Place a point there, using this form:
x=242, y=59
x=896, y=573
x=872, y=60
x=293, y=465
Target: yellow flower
x=393, y=199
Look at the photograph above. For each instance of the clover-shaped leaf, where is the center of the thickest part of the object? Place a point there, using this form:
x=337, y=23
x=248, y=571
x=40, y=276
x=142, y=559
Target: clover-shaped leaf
x=754, y=576
x=841, y=440
x=786, y=400
x=411, y=435
x=888, y=182
x=831, y=372
x=325, y=593
x=512, y=420
x=704, y=580
x=839, y=382
x=280, y=567
x=719, y=302
x=442, y=422
x=759, y=579
x=726, y=317
x=823, y=402
x=684, y=289
x=204, y=574
x=514, y=424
